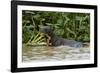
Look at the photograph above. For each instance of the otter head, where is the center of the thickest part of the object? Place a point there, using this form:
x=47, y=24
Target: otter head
x=46, y=30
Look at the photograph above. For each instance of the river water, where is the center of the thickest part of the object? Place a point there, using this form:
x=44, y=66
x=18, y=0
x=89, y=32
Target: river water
x=44, y=53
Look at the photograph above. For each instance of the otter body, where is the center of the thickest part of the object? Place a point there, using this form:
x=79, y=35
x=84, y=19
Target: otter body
x=58, y=41
x=54, y=40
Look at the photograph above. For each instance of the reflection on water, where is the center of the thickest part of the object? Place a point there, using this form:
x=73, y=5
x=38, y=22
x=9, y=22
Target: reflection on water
x=43, y=53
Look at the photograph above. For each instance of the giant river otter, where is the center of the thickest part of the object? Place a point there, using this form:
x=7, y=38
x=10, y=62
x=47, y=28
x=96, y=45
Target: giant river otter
x=53, y=40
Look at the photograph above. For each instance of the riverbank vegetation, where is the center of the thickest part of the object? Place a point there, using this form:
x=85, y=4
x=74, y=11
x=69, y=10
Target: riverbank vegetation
x=75, y=26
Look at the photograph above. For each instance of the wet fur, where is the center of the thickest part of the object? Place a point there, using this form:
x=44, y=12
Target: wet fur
x=53, y=40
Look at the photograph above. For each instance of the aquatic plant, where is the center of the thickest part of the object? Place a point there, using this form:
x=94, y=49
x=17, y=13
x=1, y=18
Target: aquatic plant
x=68, y=25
